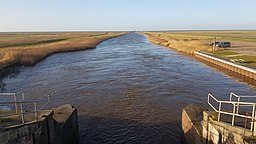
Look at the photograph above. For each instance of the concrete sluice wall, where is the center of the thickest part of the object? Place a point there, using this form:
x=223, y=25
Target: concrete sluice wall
x=245, y=71
x=57, y=126
x=201, y=127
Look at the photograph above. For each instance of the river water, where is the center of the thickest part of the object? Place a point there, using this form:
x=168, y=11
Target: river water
x=127, y=90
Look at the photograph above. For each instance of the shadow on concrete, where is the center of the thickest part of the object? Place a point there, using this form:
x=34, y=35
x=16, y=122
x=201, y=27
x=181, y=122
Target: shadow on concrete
x=114, y=130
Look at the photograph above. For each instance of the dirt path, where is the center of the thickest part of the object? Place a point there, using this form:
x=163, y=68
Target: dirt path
x=244, y=48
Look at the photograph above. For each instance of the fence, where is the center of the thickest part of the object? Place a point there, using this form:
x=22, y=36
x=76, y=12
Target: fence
x=235, y=110
x=19, y=106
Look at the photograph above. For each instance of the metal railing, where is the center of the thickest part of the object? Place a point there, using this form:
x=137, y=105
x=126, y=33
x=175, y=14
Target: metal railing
x=238, y=99
x=235, y=105
x=14, y=95
x=19, y=106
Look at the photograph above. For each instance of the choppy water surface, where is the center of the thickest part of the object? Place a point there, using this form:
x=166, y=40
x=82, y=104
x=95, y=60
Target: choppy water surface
x=127, y=90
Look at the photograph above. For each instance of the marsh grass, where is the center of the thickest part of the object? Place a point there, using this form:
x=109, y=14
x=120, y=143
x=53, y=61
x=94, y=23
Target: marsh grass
x=34, y=43
x=180, y=42
x=36, y=50
x=191, y=41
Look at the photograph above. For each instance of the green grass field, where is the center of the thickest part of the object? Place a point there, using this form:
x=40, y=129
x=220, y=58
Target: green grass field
x=245, y=60
x=247, y=36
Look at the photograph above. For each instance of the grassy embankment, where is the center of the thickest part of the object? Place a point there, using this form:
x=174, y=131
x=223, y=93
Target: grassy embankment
x=179, y=41
x=191, y=41
x=245, y=60
x=29, y=48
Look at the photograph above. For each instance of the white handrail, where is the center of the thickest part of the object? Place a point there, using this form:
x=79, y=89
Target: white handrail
x=7, y=94
x=21, y=112
x=232, y=94
x=235, y=104
x=231, y=102
x=14, y=95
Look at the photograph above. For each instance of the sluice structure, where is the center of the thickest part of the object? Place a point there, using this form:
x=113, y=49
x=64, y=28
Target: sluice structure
x=230, y=121
x=27, y=122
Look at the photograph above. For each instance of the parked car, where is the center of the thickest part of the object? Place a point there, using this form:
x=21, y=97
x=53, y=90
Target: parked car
x=223, y=44
x=214, y=43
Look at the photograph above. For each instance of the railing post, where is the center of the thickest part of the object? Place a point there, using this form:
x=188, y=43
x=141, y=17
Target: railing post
x=230, y=96
x=36, y=114
x=237, y=107
x=219, y=111
x=253, y=125
x=22, y=114
x=15, y=102
x=22, y=94
x=233, y=116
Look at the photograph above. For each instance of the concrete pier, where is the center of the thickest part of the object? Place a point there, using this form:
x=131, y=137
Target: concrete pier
x=57, y=126
x=201, y=127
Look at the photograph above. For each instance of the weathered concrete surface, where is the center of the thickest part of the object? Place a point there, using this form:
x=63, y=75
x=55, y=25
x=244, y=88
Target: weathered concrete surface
x=29, y=133
x=200, y=126
x=66, y=125
x=57, y=126
x=191, y=124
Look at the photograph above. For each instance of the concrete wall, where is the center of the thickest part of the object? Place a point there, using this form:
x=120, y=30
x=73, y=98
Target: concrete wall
x=66, y=125
x=30, y=133
x=200, y=127
x=191, y=124
x=57, y=126
x=248, y=72
x=220, y=132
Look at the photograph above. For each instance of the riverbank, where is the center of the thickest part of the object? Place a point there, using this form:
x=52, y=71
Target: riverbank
x=179, y=42
x=242, y=51
x=242, y=70
x=126, y=89
x=30, y=48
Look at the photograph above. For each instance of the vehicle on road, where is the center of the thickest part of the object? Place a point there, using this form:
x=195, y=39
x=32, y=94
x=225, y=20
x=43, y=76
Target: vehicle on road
x=214, y=43
x=223, y=44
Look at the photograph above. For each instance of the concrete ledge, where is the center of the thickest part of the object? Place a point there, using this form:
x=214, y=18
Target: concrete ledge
x=34, y=131
x=248, y=72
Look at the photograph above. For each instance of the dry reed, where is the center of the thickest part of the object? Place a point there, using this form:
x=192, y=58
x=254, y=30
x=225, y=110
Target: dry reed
x=34, y=51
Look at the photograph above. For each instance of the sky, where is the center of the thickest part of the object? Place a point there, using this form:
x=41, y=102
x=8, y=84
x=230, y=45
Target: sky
x=119, y=15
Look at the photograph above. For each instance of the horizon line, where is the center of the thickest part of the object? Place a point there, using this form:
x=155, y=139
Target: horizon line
x=157, y=30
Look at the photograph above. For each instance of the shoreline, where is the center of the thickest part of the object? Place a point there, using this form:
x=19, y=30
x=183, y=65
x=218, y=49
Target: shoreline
x=162, y=42
x=31, y=55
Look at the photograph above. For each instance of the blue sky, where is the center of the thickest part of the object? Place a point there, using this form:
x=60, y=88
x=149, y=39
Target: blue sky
x=91, y=15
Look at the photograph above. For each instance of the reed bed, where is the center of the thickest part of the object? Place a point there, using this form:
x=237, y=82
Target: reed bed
x=28, y=49
x=180, y=42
